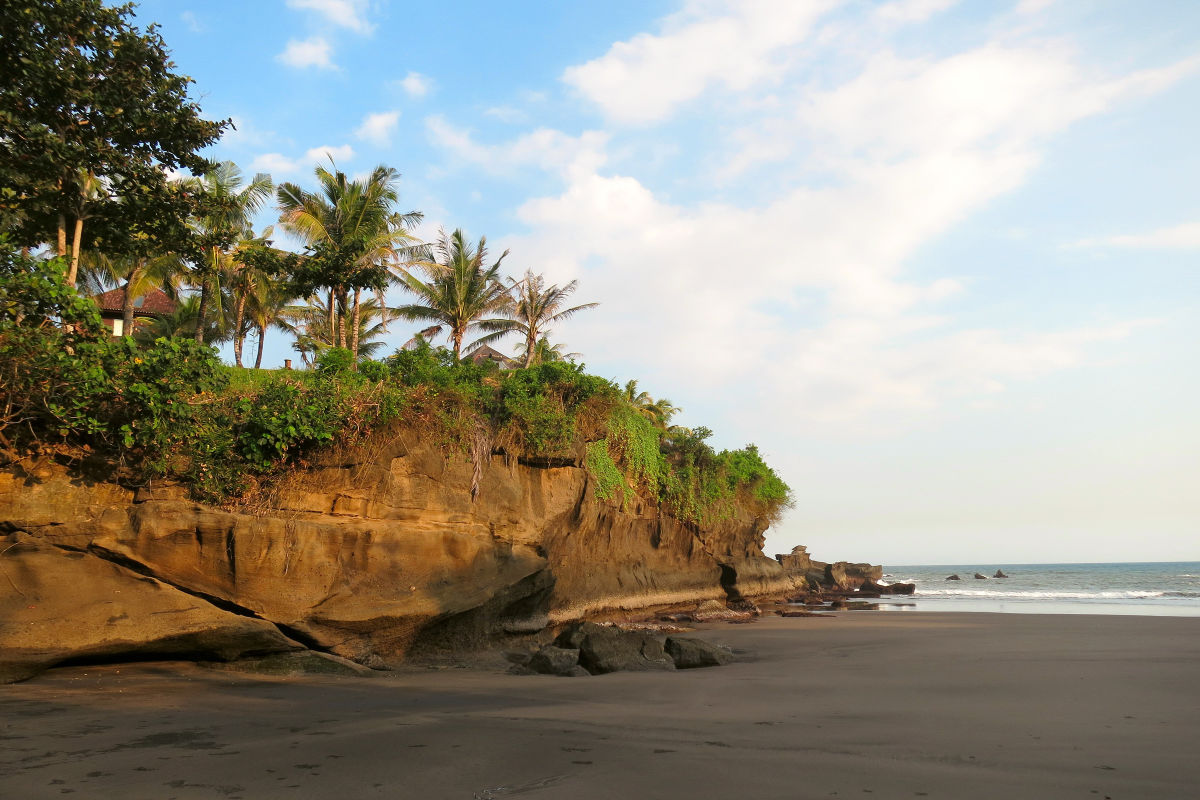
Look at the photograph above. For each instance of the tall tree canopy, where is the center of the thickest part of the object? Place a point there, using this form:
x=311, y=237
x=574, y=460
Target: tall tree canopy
x=354, y=239
x=461, y=292
x=226, y=207
x=92, y=116
x=537, y=306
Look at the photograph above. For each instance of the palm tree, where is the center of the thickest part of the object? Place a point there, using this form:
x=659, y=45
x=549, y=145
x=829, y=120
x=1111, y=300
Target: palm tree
x=659, y=412
x=309, y=323
x=545, y=353
x=353, y=238
x=226, y=211
x=251, y=281
x=265, y=308
x=537, y=306
x=461, y=293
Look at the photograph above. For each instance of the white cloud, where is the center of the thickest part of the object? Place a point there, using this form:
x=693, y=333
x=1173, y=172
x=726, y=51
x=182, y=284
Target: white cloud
x=276, y=164
x=314, y=52
x=544, y=148
x=350, y=14
x=415, y=84
x=322, y=154
x=194, y=24
x=912, y=10
x=280, y=166
x=378, y=128
x=245, y=134
x=804, y=295
x=1178, y=237
x=736, y=45
x=1031, y=7
x=505, y=114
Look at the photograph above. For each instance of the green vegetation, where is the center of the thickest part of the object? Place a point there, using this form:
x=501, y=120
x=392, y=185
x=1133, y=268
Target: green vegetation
x=171, y=409
x=95, y=125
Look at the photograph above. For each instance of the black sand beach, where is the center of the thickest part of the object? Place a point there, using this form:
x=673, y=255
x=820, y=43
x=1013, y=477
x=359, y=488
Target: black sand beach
x=868, y=704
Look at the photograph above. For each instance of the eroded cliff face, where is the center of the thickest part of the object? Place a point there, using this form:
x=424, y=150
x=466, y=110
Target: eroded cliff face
x=367, y=558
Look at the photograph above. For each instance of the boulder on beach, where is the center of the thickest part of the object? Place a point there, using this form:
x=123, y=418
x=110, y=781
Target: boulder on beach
x=954, y=578
x=999, y=574
x=693, y=653
x=605, y=648
x=551, y=660
x=899, y=588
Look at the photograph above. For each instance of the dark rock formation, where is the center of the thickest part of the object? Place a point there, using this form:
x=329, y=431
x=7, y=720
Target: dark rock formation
x=844, y=575
x=872, y=589
x=821, y=576
x=551, y=660
x=954, y=578
x=999, y=574
x=692, y=653
x=980, y=576
x=607, y=648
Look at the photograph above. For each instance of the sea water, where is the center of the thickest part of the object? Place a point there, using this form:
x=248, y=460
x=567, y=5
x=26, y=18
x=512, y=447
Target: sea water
x=1158, y=589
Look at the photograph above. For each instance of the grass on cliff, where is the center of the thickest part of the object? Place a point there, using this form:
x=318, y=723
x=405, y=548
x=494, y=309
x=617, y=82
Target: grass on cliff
x=172, y=409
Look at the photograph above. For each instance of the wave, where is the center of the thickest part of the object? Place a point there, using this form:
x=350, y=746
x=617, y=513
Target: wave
x=1055, y=595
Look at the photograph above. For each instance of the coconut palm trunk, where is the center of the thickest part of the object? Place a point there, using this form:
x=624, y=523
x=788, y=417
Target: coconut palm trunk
x=341, y=315
x=201, y=312
x=262, y=335
x=354, y=331
x=76, y=242
x=239, y=335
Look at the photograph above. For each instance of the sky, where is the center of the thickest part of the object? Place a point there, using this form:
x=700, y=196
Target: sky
x=939, y=260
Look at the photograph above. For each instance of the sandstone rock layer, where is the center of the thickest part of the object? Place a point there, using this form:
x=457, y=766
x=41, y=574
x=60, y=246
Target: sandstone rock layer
x=370, y=558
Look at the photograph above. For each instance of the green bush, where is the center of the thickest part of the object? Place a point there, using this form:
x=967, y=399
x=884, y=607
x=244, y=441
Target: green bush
x=65, y=381
x=335, y=361
x=283, y=417
x=170, y=408
x=374, y=370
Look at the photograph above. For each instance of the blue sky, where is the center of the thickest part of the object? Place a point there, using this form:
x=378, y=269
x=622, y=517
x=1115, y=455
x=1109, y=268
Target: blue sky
x=940, y=260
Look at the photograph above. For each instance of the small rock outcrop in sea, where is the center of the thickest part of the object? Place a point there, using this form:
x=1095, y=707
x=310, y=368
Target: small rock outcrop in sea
x=979, y=576
x=954, y=578
x=823, y=575
x=999, y=574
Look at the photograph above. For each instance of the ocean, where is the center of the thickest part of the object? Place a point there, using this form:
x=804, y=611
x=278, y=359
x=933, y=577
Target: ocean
x=1154, y=589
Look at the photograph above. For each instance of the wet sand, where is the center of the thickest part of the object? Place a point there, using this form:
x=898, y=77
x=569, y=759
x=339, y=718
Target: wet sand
x=870, y=704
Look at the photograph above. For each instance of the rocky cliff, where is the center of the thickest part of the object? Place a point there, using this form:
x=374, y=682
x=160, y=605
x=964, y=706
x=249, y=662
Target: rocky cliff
x=370, y=558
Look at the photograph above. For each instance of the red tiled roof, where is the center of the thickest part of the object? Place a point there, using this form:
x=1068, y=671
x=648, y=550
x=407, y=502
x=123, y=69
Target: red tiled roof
x=154, y=303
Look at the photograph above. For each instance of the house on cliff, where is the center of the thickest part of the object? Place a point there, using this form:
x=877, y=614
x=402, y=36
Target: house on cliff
x=155, y=304
x=485, y=354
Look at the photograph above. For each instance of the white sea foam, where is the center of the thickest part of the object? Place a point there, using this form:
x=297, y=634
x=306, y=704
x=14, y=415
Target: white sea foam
x=1052, y=595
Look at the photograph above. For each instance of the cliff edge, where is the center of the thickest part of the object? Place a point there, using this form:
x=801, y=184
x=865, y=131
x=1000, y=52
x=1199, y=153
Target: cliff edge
x=370, y=558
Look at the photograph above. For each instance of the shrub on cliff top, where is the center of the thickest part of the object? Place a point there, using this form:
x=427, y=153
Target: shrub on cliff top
x=171, y=409
x=65, y=383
